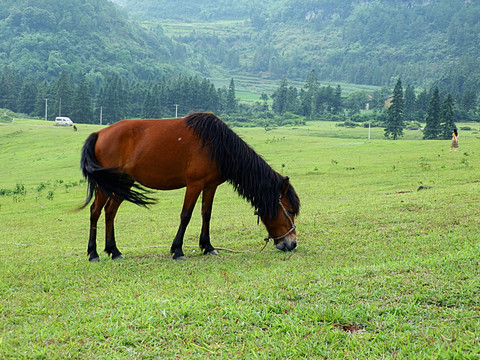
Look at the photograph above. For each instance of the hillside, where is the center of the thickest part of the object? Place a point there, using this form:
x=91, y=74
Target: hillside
x=362, y=42
x=41, y=38
x=355, y=41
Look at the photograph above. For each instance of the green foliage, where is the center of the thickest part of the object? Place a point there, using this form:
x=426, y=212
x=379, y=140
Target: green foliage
x=421, y=42
x=432, y=118
x=90, y=58
x=395, y=113
x=447, y=118
x=44, y=38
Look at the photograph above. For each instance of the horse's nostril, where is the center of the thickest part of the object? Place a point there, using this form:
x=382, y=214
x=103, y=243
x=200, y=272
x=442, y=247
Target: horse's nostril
x=281, y=247
x=293, y=245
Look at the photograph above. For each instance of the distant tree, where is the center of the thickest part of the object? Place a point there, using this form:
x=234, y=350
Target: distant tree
x=292, y=102
x=309, y=96
x=9, y=81
x=26, y=99
x=41, y=97
x=432, y=118
x=137, y=92
x=222, y=98
x=264, y=98
x=356, y=101
x=409, y=105
x=323, y=99
x=83, y=107
x=152, y=108
x=64, y=99
x=378, y=97
x=112, y=99
x=337, y=100
x=395, y=115
x=469, y=99
x=231, y=105
x=279, y=105
x=447, y=117
x=421, y=104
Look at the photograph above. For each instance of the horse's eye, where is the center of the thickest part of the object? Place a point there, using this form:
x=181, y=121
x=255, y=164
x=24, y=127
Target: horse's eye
x=291, y=212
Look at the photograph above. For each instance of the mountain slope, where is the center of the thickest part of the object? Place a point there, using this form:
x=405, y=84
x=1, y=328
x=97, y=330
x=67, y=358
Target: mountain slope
x=41, y=38
x=356, y=41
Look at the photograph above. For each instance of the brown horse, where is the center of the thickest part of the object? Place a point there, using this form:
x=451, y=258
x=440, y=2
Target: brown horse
x=198, y=152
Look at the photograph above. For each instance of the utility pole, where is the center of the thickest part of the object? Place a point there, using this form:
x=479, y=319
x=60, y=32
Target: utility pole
x=176, y=111
x=101, y=114
x=60, y=107
x=46, y=109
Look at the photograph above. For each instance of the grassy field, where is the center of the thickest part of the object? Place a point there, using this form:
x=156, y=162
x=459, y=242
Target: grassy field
x=383, y=270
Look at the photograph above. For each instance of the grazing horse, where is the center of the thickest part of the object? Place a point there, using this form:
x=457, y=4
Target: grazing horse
x=198, y=152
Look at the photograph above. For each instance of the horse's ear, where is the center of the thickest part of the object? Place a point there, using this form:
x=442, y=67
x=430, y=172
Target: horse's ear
x=285, y=185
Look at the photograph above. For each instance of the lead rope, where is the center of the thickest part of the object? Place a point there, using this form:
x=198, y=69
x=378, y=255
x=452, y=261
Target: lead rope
x=265, y=245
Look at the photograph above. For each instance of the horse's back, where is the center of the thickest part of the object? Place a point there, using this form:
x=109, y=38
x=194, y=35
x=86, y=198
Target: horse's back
x=161, y=154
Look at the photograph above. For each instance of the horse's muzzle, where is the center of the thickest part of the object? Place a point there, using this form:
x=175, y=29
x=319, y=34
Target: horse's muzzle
x=286, y=246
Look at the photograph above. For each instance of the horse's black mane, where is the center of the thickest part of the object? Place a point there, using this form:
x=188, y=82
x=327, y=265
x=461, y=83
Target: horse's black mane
x=241, y=166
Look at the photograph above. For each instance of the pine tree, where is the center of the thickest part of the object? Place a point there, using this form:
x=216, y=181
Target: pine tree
x=41, y=98
x=26, y=101
x=447, y=117
x=82, y=110
x=280, y=97
x=152, y=108
x=112, y=99
x=65, y=95
x=231, y=105
x=421, y=105
x=395, y=116
x=432, y=118
x=311, y=90
x=337, y=100
x=9, y=81
x=410, y=106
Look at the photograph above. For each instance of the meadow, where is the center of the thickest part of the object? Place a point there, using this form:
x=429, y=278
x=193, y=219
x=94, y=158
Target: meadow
x=387, y=265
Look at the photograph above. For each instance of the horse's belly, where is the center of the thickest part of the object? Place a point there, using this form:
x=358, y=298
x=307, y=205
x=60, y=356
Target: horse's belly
x=174, y=171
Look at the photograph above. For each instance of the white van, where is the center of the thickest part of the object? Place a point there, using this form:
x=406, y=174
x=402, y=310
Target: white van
x=63, y=121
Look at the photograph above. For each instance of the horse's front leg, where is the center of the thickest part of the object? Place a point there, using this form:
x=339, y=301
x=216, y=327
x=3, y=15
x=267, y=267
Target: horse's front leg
x=95, y=211
x=111, y=209
x=191, y=196
x=207, y=202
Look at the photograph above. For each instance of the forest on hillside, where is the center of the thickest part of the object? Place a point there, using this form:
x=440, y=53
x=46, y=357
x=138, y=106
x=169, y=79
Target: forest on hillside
x=425, y=42
x=142, y=58
x=42, y=38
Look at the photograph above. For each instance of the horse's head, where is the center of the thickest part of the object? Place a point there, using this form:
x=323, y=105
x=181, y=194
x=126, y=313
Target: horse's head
x=281, y=226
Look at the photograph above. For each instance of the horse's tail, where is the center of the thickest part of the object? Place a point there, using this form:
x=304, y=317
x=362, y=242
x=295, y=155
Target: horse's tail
x=115, y=184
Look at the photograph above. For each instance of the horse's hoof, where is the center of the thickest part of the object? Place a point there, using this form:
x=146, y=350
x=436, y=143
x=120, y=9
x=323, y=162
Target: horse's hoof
x=180, y=258
x=213, y=252
x=118, y=257
x=95, y=259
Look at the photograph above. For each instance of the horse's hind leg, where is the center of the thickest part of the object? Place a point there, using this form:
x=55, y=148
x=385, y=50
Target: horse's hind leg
x=191, y=196
x=207, y=202
x=111, y=209
x=95, y=211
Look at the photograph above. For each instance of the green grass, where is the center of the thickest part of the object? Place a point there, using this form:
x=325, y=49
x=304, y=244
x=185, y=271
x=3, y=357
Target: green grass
x=382, y=270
